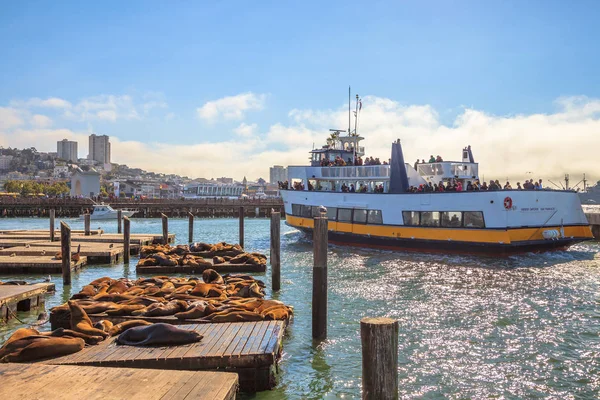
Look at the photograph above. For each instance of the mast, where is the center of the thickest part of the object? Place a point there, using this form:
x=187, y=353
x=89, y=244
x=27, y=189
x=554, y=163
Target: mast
x=349, y=118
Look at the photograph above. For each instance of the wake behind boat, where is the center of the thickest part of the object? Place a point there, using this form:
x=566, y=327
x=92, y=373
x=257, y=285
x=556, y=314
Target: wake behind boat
x=378, y=205
x=105, y=211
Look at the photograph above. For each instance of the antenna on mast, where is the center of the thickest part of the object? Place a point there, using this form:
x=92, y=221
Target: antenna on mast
x=349, y=123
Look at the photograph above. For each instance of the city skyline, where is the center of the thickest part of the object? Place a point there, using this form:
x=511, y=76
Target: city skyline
x=437, y=77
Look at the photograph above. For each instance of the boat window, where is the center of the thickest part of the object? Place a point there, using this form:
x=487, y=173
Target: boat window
x=344, y=215
x=452, y=219
x=331, y=213
x=430, y=218
x=375, y=217
x=306, y=211
x=297, y=209
x=360, y=216
x=410, y=218
x=474, y=219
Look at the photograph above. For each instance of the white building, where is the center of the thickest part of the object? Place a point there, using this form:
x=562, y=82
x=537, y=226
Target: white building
x=277, y=173
x=66, y=150
x=99, y=149
x=60, y=171
x=85, y=183
x=213, y=190
x=5, y=162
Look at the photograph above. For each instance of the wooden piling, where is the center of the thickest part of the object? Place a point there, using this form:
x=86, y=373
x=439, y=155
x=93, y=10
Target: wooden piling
x=275, y=251
x=379, y=339
x=65, y=249
x=319, y=295
x=119, y=220
x=126, y=239
x=242, y=226
x=87, y=220
x=52, y=215
x=190, y=227
x=165, y=228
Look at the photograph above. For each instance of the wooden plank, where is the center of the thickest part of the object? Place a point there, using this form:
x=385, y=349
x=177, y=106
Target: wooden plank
x=225, y=340
x=36, y=264
x=39, y=381
x=237, y=345
x=16, y=293
x=252, y=345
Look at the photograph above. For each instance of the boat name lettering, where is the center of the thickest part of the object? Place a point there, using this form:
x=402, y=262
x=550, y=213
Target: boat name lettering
x=538, y=209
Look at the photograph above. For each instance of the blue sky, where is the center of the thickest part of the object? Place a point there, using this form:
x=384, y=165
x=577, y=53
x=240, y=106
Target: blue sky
x=502, y=57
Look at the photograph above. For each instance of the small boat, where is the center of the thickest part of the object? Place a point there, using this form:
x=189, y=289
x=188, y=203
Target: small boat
x=105, y=211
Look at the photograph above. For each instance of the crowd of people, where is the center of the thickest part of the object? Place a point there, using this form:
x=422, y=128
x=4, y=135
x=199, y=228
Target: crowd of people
x=457, y=186
x=358, y=161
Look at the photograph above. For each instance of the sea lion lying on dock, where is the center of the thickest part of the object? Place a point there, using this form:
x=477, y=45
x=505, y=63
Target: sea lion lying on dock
x=158, y=334
x=37, y=347
x=123, y=326
x=212, y=276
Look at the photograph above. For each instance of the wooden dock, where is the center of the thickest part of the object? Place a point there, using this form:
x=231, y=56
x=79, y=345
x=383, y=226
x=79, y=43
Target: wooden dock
x=39, y=381
x=96, y=253
x=15, y=298
x=250, y=349
x=189, y=269
x=46, y=264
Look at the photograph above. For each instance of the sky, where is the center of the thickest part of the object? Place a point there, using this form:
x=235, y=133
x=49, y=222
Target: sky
x=210, y=89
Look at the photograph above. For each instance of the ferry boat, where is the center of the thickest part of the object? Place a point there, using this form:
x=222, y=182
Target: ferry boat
x=384, y=214
x=105, y=211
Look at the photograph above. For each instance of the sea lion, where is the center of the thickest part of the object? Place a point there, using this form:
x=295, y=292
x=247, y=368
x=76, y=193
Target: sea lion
x=118, y=287
x=103, y=325
x=158, y=334
x=207, y=290
x=218, y=260
x=196, y=310
x=85, y=292
x=238, y=316
x=80, y=322
x=35, y=348
x=114, y=297
x=160, y=310
x=212, y=276
x=98, y=308
x=98, y=281
x=120, y=309
x=123, y=326
x=61, y=332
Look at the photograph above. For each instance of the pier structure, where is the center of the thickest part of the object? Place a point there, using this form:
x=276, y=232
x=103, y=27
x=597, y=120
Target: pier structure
x=15, y=298
x=147, y=208
x=594, y=220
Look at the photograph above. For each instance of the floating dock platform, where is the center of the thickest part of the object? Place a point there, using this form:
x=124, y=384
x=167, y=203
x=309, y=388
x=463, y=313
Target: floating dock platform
x=189, y=269
x=15, y=298
x=46, y=264
x=38, y=381
x=96, y=253
x=250, y=349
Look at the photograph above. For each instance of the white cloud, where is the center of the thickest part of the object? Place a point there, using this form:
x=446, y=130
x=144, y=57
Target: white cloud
x=9, y=118
x=246, y=130
x=36, y=102
x=565, y=141
x=41, y=121
x=231, y=107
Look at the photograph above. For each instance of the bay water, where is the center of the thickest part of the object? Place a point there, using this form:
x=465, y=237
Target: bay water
x=524, y=326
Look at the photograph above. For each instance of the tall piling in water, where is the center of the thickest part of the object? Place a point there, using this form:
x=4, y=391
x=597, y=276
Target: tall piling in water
x=65, y=250
x=52, y=215
x=241, y=215
x=379, y=340
x=87, y=221
x=190, y=227
x=275, y=251
x=126, y=239
x=119, y=220
x=165, y=228
x=319, y=295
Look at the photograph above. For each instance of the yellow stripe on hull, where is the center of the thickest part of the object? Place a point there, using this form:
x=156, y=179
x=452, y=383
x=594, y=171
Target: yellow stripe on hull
x=504, y=236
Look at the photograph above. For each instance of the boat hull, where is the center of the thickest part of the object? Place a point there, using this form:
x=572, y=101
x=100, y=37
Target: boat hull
x=512, y=221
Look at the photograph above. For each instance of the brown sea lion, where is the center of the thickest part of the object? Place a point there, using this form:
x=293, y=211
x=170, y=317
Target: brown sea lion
x=123, y=326
x=121, y=309
x=118, y=287
x=80, y=322
x=61, y=332
x=35, y=348
x=85, y=292
x=114, y=297
x=238, y=316
x=103, y=325
x=148, y=262
x=212, y=276
x=98, y=308
x=207, y=290
x=218, y=260
x=98, y=281
x=160, y=310
x=276, y=313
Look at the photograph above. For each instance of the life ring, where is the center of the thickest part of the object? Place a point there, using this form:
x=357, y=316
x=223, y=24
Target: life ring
x=508, y=203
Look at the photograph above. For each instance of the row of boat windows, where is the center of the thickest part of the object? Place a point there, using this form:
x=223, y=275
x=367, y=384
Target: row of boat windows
x=358, y=216
x=446, y=219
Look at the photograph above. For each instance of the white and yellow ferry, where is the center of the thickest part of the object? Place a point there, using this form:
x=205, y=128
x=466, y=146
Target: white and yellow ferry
x=387, y=216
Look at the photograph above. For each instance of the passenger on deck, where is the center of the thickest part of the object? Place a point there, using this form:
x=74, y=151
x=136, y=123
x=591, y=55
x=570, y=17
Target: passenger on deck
x=469, y=186
x=484, y=186
x=459, y=186
x=432, y=159
x=344, y=188
x=540, y=184
x=352, y=190
x=519, y=186
x=416, y=164
x=438, y=159
x=507, y=186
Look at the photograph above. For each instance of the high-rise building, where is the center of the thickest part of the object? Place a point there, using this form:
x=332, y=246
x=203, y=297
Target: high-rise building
x=66, y=150
x=99, y=149
x=277, y=173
